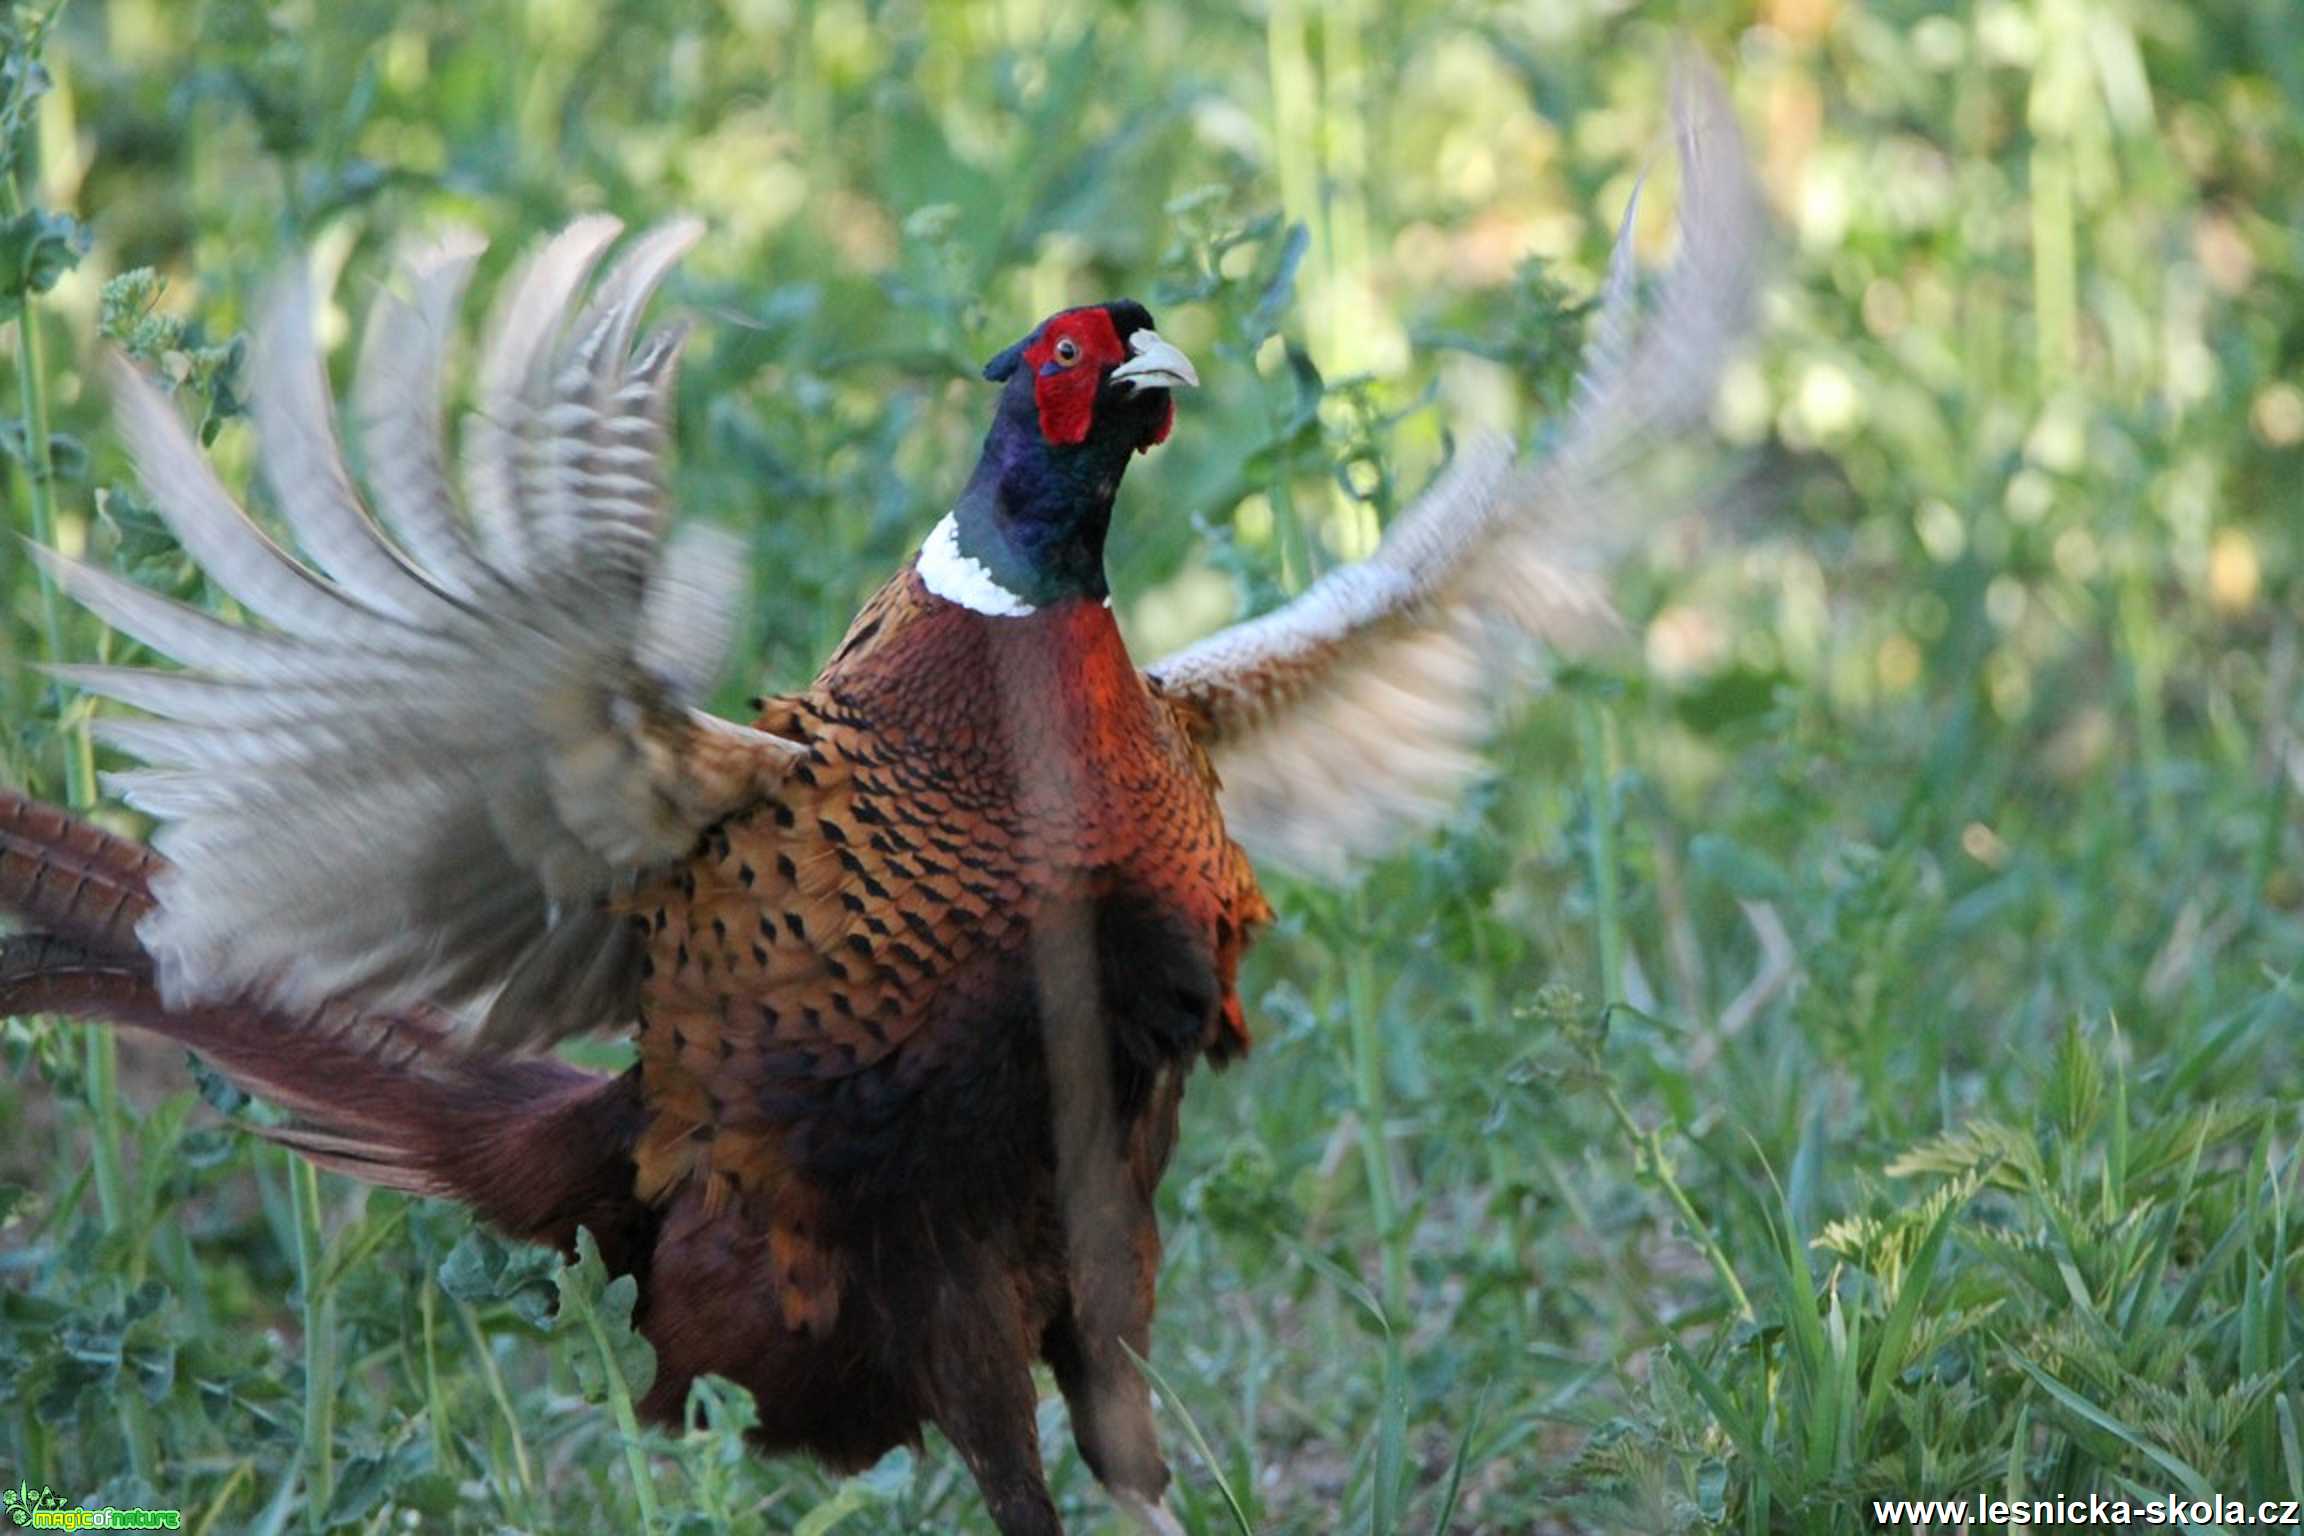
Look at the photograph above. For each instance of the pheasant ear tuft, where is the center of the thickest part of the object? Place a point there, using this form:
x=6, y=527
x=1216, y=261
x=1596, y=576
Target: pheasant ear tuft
x=1005, y=364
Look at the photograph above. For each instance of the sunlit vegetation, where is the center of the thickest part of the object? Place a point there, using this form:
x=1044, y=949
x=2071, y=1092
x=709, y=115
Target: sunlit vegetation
x=1849, y=1048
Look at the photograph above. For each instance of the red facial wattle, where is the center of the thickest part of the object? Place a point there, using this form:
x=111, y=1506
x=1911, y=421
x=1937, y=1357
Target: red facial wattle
x=1068, y=360
x=1167, y=425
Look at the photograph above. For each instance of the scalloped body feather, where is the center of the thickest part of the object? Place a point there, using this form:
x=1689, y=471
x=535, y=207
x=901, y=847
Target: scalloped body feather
x=920, y=961
x=999, y=862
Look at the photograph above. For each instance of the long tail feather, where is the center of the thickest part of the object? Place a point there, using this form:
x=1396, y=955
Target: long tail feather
x=72, y=878
x=535, y=1145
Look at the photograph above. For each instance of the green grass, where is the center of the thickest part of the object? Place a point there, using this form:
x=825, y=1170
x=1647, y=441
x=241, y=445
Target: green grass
x=1850, y=1048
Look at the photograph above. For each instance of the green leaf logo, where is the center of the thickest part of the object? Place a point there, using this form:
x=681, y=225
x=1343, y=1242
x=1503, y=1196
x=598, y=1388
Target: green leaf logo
x=20, y=1501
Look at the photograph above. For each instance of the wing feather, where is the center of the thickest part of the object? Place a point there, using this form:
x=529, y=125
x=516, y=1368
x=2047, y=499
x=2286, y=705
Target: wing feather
x=304, y=469
x=236, y=554
x=202, y=640
x=1352, y=716
x=591, y=483
x=515, y=358
x=428, y=780
x=397, y=403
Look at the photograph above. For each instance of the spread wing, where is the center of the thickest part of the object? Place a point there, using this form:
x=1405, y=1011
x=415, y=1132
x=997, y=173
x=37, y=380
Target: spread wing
x=1351, y=716
x=430, y=753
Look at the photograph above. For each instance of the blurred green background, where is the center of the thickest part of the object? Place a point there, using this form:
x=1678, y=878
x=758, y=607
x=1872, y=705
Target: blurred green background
x=1940, y=824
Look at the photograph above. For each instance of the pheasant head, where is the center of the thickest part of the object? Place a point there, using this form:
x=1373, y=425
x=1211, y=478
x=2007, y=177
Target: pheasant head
x=1086, y=390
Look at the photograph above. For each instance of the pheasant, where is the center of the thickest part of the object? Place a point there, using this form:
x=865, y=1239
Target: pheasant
x=919, y=960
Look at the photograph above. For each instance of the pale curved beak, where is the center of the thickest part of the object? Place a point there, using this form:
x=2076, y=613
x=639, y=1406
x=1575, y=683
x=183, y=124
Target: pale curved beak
x=1156, y=365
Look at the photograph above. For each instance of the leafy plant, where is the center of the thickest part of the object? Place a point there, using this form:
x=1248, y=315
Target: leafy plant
x=1723, y=1121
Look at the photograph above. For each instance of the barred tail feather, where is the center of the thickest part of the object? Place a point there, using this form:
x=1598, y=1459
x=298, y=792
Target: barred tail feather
x=536, y=1146
x=72, y=878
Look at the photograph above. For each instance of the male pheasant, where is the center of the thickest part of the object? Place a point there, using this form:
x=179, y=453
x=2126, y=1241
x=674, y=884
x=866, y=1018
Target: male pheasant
x=919, y=960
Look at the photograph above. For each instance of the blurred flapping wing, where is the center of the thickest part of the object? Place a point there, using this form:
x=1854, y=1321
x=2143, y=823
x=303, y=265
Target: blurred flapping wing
x=1352, y=716
x=431, y=755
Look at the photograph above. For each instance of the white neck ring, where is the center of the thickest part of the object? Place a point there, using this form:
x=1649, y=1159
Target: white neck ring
x=962, y=578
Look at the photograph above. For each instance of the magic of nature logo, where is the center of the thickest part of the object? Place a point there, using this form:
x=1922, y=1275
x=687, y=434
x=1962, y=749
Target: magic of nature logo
x=46, y=1509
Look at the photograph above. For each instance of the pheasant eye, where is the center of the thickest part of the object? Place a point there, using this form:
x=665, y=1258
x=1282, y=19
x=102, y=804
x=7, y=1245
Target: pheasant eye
x=1067, y=351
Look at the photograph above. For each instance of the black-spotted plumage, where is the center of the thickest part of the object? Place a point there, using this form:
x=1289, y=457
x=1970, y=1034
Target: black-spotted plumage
x=918, y=962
